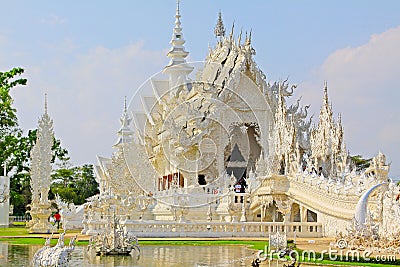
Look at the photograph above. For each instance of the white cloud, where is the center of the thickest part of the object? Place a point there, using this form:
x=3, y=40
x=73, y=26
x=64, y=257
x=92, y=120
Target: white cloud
x=86, y=94
x=53, y=20
x=364, y=85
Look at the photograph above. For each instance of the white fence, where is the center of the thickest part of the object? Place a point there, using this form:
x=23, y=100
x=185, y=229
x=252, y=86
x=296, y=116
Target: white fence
x=20, y=218
x=216, y=229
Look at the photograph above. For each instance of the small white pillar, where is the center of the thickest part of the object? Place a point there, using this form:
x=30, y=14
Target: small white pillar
x=5, y=206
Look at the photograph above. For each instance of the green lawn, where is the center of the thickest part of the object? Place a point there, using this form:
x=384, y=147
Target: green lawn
x=22, y=231
x=19, y=235
x=13, y=231
x=36, y=241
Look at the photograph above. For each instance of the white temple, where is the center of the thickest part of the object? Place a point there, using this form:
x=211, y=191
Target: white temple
x=222, y=154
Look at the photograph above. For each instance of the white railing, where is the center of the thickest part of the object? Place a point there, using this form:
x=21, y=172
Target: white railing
x=216, y=229
x=222, y=229
x=24, y=218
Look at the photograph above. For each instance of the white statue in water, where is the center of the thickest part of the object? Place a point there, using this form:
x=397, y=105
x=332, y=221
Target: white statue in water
x=57, y=256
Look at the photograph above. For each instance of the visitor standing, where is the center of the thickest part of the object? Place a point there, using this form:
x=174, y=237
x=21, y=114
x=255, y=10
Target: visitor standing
x=57, y=218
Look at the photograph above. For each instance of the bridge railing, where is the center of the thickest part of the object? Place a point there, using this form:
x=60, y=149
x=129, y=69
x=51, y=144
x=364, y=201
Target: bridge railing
x=215, y=229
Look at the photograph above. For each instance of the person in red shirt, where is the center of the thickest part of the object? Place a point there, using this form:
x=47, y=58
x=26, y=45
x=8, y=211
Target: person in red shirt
x=57, y=219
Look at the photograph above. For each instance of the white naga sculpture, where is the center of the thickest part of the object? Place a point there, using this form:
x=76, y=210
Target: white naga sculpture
x=361, y=208
x=40, y=176
x=366, y=232
x=56, y=256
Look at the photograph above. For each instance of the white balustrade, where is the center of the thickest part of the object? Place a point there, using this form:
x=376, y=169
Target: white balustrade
x=222, y=229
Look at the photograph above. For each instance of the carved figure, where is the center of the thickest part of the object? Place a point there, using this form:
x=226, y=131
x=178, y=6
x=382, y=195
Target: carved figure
x=57, y=256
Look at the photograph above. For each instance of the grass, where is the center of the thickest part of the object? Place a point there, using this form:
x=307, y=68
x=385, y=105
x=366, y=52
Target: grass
x=14, y=231
x=19, y=230
x=19, y=235
x=36, y=241
x=19, y=224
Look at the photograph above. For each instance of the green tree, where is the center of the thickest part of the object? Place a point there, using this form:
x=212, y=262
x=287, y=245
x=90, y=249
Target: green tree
x=74, y=184
x=360, y=162
x=11, y=136
x=86, y=183
x=10, y=133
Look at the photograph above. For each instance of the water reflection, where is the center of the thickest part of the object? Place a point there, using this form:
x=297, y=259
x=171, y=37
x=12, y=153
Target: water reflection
x=157, y=256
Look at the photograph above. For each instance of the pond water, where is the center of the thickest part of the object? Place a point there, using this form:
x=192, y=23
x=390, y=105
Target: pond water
x=157, y=256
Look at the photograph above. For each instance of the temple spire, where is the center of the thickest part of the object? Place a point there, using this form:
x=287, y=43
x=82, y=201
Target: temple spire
x=248, y=39
x=219, y=30
x=45, y=103
x=326, y=93
x=177, y=68
x=125, y=133
x=232, y=30
x=177, y=52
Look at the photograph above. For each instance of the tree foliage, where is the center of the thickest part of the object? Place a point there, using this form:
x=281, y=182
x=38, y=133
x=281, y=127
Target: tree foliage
x=10, y=134
x=360, y=162
x=8, y=116
x=75, y=184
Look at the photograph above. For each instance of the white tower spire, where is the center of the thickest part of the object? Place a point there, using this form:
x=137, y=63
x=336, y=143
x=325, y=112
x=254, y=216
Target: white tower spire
x=45, y=103
x=41, y=156
x=219, y=30
x=125, y=133
x=177, y=68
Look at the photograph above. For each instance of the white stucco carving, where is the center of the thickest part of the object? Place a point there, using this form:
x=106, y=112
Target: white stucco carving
x=40, y=176
x=58, y=255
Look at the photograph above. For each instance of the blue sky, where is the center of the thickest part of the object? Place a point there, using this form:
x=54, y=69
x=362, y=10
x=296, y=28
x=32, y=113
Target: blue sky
x=88, y=55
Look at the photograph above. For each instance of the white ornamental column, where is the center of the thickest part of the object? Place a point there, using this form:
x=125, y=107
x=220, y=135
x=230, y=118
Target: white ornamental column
x=40, y=176
x=4, y=200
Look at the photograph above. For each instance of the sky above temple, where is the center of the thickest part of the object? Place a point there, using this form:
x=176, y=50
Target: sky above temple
x=88, y=55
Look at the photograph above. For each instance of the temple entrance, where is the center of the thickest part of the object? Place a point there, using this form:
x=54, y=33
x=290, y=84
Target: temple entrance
x=242, y=152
